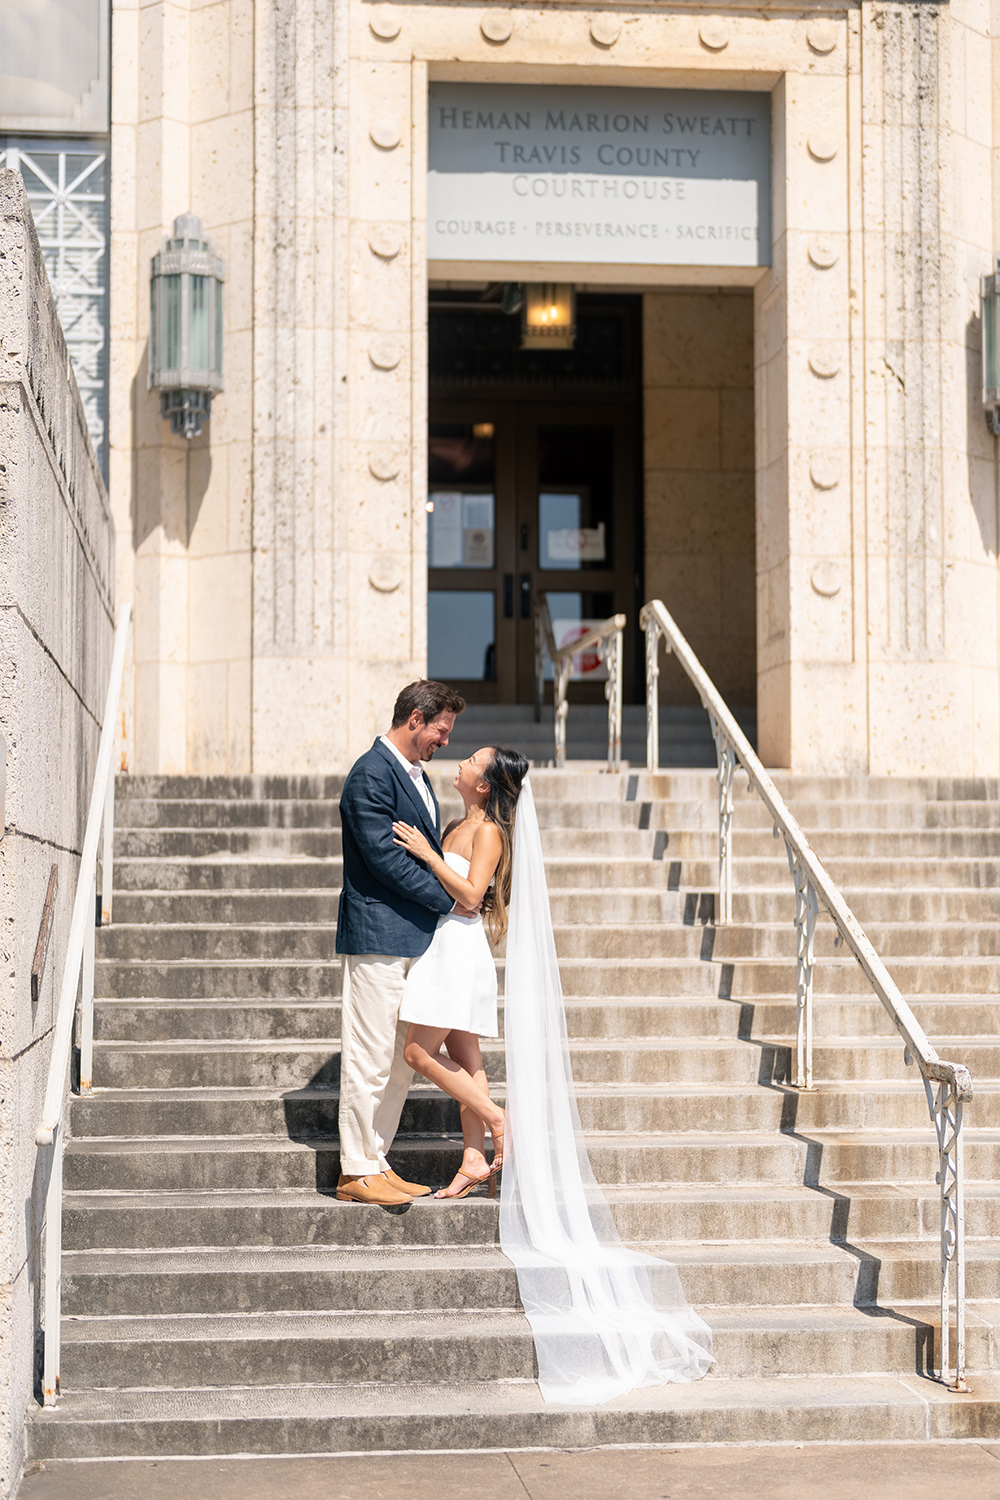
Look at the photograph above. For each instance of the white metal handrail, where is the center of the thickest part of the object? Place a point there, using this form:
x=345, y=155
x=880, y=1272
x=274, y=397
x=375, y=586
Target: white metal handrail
x=948, y=1085
x=606, y=640
x=79, y=962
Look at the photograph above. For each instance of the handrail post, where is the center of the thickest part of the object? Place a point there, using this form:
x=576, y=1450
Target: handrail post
x=560, y=703
x=608, y=640
x=52, y=1338
x=960, y=1384
x=652, y=691
x=806, y=913
x=724, y=774
x=613, y=693
x=87, y=993
x=946, y=1112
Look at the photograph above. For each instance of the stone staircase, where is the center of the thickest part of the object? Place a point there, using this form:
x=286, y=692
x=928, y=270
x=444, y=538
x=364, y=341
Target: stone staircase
x=685, y=736
x=218, y=1300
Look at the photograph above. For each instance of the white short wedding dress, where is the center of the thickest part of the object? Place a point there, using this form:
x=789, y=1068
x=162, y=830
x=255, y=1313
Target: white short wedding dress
x=454, y=983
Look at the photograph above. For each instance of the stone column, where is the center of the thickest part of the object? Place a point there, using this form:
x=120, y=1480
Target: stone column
x=811, y=685
x=339, y=577
x=299, y=386
x=932, y=542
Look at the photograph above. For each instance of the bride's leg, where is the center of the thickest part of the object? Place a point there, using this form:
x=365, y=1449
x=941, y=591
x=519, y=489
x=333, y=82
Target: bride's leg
x=463, y=1048
x=423, y=1054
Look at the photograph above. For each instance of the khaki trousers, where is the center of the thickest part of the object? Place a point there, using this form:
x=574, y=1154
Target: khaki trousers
x=374, y=1077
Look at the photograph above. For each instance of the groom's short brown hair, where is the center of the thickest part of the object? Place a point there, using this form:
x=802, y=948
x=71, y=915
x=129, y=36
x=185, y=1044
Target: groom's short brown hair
x=428, y=698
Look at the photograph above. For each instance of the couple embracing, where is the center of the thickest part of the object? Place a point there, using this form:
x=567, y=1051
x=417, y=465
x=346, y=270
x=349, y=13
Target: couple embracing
x=419, y=991
x=420, y=984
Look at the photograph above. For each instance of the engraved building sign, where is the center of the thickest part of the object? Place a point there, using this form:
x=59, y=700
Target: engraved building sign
x=629, y=176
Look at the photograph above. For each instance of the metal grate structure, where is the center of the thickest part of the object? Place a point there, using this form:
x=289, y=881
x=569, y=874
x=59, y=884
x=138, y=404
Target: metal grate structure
x=67, y=187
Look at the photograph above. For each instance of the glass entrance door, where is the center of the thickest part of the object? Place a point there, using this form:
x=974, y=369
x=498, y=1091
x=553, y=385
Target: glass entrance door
x=526, y=496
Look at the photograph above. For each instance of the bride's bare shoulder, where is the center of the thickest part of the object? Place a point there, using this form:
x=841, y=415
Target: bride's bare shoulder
x=487, y=834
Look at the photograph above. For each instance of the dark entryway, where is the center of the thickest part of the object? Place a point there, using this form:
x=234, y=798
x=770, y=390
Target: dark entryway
x=534, y=485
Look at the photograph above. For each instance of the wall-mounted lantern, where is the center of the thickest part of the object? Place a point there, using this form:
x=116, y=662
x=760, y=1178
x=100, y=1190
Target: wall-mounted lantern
x=990, y=298
x=548, y=315
x=185, y=330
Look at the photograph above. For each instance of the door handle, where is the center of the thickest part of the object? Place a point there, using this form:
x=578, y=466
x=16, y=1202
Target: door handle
x=525, y=596
x=508, y=596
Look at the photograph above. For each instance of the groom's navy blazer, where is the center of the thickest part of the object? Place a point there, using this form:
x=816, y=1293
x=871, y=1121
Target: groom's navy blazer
x=390, y=902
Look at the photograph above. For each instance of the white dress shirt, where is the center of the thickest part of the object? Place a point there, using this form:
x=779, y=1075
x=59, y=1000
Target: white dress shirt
x=415, y=773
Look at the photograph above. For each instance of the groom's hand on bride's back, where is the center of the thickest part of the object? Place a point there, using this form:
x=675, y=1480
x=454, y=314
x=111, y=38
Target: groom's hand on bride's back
x=466, y=911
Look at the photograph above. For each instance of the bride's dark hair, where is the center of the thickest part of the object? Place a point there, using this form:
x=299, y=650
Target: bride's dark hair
x=503, y=776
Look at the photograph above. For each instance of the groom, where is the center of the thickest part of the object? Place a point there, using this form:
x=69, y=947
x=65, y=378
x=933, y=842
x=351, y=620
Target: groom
x=389, y=908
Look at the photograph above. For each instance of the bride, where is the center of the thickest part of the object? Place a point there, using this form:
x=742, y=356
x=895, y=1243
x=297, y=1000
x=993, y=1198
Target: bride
x=606, y=1320
x=450, y=999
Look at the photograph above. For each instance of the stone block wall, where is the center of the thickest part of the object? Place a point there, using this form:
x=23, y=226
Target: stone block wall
x=56, y=599
x=698, y=418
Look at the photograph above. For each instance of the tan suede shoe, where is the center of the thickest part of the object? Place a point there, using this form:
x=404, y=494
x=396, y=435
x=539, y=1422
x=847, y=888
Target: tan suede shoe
x=371, y=1189
x=411, y=1189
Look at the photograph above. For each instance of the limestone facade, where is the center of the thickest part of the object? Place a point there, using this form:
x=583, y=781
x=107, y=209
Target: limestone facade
x=278, y=562
x=56, y=600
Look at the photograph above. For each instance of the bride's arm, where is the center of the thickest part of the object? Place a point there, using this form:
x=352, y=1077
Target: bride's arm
x=470, y=890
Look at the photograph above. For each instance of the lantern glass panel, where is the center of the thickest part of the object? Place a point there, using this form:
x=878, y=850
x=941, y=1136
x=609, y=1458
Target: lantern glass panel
x=199, y=325
x=171, y=314
x=991, y=376
x=217, y=361
x=154, y=331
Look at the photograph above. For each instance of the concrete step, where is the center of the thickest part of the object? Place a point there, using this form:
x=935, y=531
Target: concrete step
x=271, y=1162
x=604, y=1108
x=227, y=812
x=200, y=843
x=558, y=841
x=644, y=903
x=644, y=1213
x=285, y=1317
x=902, y=873
x=228, y=873
x=484, y=1344
x=871, y=907
x=296, y=1064
x=635, y=784
x=237, y=1284
x=274, y=1349
x=166, y=942
x=246, y=908
x=675, y=814
x=259, y=787
x=767, y=1017
x=230, y=1282
x=830, y=845
x=402, y=1417
x=798, y=788
x=192, y=979
x=282, y=938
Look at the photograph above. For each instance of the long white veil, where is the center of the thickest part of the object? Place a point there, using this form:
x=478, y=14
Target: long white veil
x=605, y=1319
